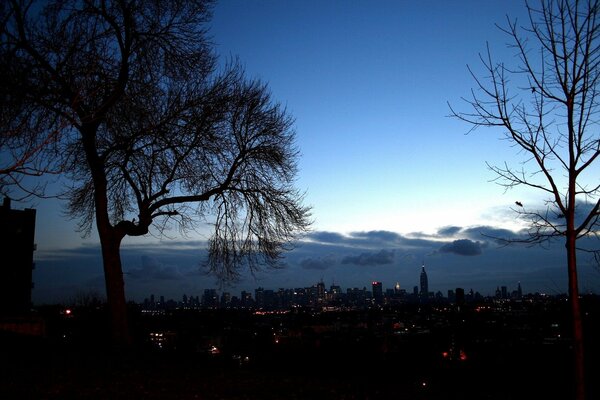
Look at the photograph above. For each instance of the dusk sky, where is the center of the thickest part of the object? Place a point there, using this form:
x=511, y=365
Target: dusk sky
x=393, y=181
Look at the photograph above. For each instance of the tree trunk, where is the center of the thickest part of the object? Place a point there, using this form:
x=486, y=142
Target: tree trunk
x=579, y=374
x=115, y=289
x=110, y=240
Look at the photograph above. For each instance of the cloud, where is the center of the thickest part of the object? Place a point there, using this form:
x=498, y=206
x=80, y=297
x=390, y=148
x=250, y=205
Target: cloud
x=355, y=238
x=449, y=231
x=379, y=236
x=318, y=263
x=152, y=269
x=85, y=251
x=556, y=217
x=477, y=232
x=370, y=258
x=462, y=247
x=326, y=237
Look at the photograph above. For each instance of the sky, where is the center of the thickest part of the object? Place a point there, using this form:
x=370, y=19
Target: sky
x=393, y=181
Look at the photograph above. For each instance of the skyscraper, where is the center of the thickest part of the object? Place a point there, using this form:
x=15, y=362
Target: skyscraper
x=320, y=292
x=424, y=283
x=377, y=292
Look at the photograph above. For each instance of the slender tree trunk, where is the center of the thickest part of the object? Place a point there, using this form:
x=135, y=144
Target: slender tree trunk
x=578, y=354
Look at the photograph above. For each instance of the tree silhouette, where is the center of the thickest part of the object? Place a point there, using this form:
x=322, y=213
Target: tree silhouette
x=156, y=135
x=548, y=108
x=25, y=132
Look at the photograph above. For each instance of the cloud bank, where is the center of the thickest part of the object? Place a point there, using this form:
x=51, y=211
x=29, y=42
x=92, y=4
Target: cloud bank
x=462, y=247
x=382, y=257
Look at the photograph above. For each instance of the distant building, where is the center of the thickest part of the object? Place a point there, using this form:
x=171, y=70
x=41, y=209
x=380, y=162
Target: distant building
x=17, y=233
x=424, y=284
x=460, y=296
x=225, y=299
x=335, y=292
x=377, y=292
x=210, y=299
x=451, y=296
x=246, y=299
x=320, y=292
x=269, y=299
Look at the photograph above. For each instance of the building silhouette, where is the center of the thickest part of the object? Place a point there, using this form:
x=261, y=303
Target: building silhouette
x=377, y=292
x=17, y=233
x=460, y=296
x=424, y=284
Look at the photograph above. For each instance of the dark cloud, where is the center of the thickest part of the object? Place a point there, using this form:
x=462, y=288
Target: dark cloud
x=152, y=269
x=85, y=251
x=583, y=208
x=556, y=217
x=370, y=258
x=318, y=263
x=326, y=237
x=359, y=238
x=487, y=232
x=365, y=240
x=449, y=231
x=462, y=247
x=380, y=236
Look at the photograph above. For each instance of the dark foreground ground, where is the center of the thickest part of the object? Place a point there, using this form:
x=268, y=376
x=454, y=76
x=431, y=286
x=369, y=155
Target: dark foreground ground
x=334, y=367
x=38, y=371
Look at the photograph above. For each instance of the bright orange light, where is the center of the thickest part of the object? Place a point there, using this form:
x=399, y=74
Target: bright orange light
x=445, y=354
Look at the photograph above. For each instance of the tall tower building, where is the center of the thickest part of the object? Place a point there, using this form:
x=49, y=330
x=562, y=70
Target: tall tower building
x=424, y=283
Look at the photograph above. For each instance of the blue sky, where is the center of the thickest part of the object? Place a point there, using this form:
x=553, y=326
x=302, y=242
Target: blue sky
x=393, y=181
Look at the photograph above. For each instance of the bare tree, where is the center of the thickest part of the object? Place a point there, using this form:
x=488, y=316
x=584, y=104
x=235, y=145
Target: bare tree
x=24, y=132
x=157, y=135
x=548, y=108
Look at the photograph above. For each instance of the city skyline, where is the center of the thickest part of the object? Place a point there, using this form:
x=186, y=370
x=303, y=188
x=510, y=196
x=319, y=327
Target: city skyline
x=409, y=285
x=391, y=179
x=318, y=295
